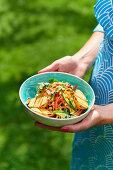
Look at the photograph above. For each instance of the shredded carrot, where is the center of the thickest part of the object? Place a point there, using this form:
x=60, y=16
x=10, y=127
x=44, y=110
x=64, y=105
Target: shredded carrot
x=56, y=103
x=75, y=87
x=79, y=112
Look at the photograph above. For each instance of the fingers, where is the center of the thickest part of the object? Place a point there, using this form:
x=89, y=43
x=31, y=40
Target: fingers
x=47, y=127
x=75, y=127
x=69, y=128
x=86, y=123
x=52, y=67
x=92, y=119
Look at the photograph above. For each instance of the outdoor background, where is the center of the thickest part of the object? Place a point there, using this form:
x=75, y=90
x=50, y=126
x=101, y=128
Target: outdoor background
x=34, y=33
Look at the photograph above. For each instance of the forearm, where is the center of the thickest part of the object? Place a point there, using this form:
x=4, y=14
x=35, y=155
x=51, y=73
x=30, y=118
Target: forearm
x=107, y=114
x=88, y=53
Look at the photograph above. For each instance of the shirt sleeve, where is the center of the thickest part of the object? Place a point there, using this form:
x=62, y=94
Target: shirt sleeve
x=104, y=15
x=98, y=28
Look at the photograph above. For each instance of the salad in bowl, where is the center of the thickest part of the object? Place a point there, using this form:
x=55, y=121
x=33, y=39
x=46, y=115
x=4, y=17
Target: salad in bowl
x=58, y=100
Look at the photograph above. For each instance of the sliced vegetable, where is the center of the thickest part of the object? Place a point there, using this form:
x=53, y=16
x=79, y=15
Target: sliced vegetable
x=62, y=114
x=67, y=102
x=31, y=102
x=47, y=113
x=62, y=100
x=79, y=112
x=78, y=93
x=60, y=111
x=43, y=112
x=72, y=104
x=41, y=102
x=37, y=102
x=44, y=102
x=60, y=87
x=80, y=100
x=56, y=103
x=52, y=96
x=36, y=110
x=75, y=87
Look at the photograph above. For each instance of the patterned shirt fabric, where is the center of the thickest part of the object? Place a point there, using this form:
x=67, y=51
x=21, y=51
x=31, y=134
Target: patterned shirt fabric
x=93, y=148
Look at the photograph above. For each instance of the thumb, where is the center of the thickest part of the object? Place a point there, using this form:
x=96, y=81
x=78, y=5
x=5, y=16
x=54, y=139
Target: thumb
x=50, y=68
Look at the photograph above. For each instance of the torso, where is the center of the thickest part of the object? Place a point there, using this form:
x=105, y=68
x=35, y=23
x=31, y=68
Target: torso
x=93, y=148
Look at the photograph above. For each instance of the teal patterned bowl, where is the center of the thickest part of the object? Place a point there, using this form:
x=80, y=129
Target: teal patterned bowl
x=28, y=89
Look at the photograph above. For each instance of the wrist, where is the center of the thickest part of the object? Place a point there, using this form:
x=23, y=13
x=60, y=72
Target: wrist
x=82, y=59
x=88, y=53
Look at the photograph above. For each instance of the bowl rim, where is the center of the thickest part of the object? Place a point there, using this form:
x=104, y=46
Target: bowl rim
x=50, y=117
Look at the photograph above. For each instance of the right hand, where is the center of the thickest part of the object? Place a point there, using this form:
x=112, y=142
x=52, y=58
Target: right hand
x=68, y=64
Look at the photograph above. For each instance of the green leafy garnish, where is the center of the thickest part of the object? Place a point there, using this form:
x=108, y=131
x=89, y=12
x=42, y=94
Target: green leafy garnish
x=41, y=85
x=52, y=80
x=60, y=87
x=63, y=86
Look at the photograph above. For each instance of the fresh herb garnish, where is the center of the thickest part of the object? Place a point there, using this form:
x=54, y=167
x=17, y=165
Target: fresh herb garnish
x=52, y=80
x=41, y=85
x=60, y=87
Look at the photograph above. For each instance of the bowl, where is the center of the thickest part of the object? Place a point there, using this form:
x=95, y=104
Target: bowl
x=28, y=89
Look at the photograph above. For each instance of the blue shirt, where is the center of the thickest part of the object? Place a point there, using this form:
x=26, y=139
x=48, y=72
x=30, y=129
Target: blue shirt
x=93, y=148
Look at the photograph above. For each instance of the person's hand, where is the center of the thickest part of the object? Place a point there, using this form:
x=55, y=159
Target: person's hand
x=99, y=115
x=73, y=65
x=80, y=61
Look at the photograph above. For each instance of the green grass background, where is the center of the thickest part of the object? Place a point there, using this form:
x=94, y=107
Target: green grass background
x=32, y=35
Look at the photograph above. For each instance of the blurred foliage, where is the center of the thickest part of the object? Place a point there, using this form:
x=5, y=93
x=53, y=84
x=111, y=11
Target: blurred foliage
x=32, y=35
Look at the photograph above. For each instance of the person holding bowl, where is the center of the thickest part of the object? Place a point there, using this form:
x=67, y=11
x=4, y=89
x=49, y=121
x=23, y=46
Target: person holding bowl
x=93, y=140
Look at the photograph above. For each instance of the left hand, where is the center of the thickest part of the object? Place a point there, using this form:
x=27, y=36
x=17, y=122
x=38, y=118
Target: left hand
x=99, y=115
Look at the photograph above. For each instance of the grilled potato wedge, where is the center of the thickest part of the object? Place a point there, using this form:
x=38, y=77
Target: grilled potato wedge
x=44, y=101
x=31, y=102
x=43, y=112
x=47, y=113
x=80, y=100
x=41, y=102
x=37, y=102
x=36, y=110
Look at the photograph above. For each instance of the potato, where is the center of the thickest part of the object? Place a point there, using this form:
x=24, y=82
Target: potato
x=44, y=101
x=80, y=100
x=41, y=102
x=43, y=112
x=36, y=110
x=80, y=94
x=31, y=103
x=37, y=103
